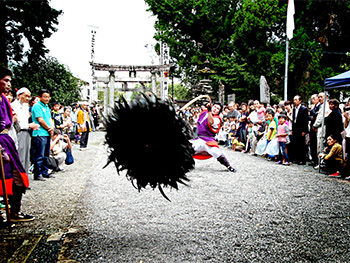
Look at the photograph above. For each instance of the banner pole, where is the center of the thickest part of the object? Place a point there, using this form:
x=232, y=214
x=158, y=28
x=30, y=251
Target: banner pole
x=5, y=193
x=286, y=71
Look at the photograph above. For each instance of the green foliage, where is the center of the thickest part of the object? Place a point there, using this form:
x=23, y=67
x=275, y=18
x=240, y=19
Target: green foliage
x=30, y=20
x=101, y=96
x=256, y=41
x=180, y=92
x=194, y=30
x=246, y=39
x=346, y=66
x=48, y=74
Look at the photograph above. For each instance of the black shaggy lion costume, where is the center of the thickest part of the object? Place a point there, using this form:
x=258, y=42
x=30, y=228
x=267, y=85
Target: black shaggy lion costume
x=147, y=139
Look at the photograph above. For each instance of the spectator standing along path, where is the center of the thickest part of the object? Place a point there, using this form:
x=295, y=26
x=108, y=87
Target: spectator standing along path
x=21, y=108
x=83, y=126
x=300, y=129
x=41, y=115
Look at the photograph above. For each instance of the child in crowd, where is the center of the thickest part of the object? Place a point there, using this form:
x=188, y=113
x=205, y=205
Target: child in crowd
x=226, y=128
x=249, y=139
x=279, y=110
x=232, y=134
x=223, y=133
x=271, y=128
x=261, y=111
x=271, y=125
x=282, y=136
x=57, y=116
x=232, y=120
x=237, y=144
x=234, y=142
x=287, y=122
x=334, y=159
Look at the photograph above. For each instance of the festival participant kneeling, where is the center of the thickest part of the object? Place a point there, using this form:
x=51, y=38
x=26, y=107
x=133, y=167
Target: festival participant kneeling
x=334, y=159
x=57, y=148
x=208, y=126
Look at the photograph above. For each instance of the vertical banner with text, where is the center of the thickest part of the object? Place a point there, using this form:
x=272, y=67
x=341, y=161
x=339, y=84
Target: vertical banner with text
x=164, y=60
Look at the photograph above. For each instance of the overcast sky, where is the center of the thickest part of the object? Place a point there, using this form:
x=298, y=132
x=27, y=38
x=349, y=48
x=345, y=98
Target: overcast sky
x=124, y=28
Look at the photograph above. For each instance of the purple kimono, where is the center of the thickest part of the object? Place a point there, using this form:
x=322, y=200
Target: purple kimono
x=206, y=132
x=8, y=144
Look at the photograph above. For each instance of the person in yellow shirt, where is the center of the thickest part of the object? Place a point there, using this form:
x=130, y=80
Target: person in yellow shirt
x=334, y=159
x=271, y=130
x=83, y=125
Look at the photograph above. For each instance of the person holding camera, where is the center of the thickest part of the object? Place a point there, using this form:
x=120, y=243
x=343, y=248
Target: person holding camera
x=57, y=148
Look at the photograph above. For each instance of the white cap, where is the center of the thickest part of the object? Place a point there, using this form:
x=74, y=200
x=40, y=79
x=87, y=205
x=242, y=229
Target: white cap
x=22, y=90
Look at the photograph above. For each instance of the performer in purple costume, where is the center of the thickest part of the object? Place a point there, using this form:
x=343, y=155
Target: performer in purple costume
x=16, y=179
x=205, y=145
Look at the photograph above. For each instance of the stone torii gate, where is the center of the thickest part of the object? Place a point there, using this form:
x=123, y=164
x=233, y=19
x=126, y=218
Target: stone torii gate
x=132, y=69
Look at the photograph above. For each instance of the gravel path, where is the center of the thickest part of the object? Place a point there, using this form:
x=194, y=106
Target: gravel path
x=263, y=213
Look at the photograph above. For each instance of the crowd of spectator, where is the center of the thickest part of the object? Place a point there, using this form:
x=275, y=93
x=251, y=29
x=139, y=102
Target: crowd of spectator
x=315, y=132
x=38, y=136
x=60, y=125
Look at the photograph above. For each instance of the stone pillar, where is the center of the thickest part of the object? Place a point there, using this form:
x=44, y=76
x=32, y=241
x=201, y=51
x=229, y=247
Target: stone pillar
x=154, y=84
x=105, y=101
x=221, y=93
x=111, y=88
x=264, y=90
x=165, y=89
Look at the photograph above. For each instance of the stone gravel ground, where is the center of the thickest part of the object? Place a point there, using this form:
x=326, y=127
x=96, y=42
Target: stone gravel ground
x=263, y=213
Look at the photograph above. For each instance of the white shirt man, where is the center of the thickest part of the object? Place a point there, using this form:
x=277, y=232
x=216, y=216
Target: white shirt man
x=321, y=133
x=21, y=108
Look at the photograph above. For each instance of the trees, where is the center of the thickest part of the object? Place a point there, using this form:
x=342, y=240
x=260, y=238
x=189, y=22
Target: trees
x=319, y=46
x=30, y=20
x=48, y=74
x=237, y=37
x=33, y=21
x=180, y=92
x=194, y=30
x=246, y=39
x=256, y=37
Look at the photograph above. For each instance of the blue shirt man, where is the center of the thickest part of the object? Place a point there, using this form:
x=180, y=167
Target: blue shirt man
x=42, y=137
x=41, y=110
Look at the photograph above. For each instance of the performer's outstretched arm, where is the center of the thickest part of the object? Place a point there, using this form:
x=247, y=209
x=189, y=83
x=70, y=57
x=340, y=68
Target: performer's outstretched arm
x=210, y=115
